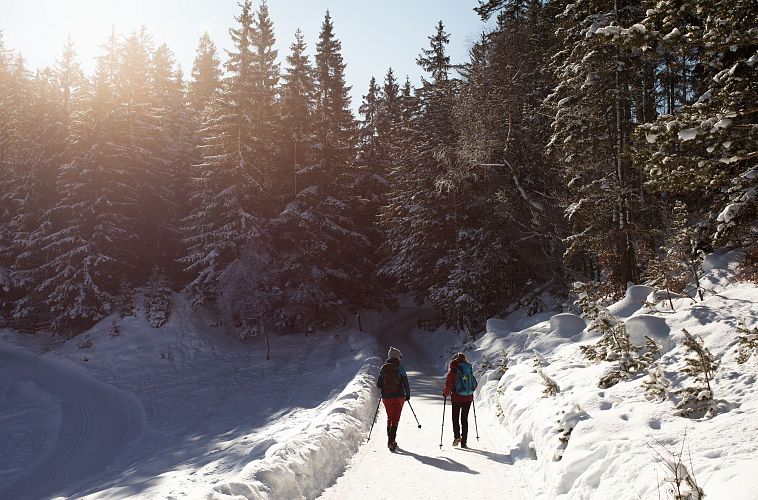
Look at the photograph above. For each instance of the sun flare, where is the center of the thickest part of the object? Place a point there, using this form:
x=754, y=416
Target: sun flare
x=89, y=21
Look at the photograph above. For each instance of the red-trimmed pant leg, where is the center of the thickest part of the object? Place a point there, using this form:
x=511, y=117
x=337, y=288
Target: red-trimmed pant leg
x=393, y=406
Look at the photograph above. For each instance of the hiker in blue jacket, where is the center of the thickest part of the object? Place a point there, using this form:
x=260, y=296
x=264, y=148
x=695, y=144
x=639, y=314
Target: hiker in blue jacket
x=393, y=381
x=460, y=385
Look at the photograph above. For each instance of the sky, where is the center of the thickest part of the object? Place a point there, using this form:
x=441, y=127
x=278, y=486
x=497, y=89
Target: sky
x=374, y=34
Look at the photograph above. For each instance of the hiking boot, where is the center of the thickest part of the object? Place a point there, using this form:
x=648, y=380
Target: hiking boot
x=393, y=446
x=463, y=444
x=456, y=441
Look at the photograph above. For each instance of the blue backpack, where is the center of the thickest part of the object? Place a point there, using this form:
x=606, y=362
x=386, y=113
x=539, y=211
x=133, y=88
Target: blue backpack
x=465, y=382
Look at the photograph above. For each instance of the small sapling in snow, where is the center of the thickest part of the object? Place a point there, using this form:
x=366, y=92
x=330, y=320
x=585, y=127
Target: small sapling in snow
x=697, y=400
x=551, y=387
x=157, y=299
x=748, y=342
x=85, y=343
x=615, y=346
x=655, y=384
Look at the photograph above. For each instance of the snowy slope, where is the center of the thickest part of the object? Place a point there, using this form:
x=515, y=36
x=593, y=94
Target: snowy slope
x=219, y=420
x=618, y=433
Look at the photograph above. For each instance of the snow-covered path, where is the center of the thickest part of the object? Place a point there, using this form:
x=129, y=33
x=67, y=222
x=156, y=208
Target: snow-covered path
x=96, y=422
x=419, y=469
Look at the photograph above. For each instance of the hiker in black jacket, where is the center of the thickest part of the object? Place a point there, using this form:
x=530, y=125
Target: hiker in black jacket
x=393, y=381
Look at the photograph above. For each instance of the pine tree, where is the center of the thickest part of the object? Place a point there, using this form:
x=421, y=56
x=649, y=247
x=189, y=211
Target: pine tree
x=389, y=121
x=298, y=90
x=265, y=120
x=157, y=298
x=421, y=218
x=748, y=342
x=706, y=149
x=87, y=239
x=174, y=151
x=502, y=177
x=334, y=124
x=39, y=106
x=369, y=148
x=226, y=205
x=656, y=385
x=324, y=257
x=680, y=263
x=697, y=400
x=596, y=107
x=206, y=75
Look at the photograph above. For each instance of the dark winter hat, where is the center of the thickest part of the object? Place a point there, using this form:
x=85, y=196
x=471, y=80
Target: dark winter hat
x=460, y=357
x=394, y=352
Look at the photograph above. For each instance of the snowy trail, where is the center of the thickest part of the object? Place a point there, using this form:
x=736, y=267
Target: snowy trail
x=420, y=469
x=98, y=422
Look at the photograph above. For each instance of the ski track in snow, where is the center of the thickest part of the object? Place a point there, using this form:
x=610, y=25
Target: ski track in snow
x=92, y=413
x=420, y=469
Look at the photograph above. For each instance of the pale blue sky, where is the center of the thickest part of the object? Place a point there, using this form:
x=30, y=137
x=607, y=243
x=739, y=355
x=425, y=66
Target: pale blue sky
x=374, y=34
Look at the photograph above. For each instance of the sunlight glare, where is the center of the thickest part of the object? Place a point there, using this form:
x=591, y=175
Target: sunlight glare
x=89, y=21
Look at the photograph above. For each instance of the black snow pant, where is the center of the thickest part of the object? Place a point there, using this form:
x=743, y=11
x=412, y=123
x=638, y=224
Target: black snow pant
x=460, y=420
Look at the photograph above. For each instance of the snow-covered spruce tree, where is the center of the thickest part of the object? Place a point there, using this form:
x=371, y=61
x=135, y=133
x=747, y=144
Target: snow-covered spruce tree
x=602, y=94
x=158, y=298
x=389, y=122
x=87, y=239
x=501, y=178
x=697, y=400
x=249, y=295
x=705, y=150
x=227, y=199
x=174, y=151
x=420, y=219
x=679, y=264
x=297, y=107
x=748, y=342
x=206, y=75
x=323, y=257
x=265, y=118
x=37, y=115
x=6, y=177
x=551, y=387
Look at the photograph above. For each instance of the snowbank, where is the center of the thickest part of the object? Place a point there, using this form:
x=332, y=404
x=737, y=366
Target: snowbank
x=303, y=466
x=591, y=442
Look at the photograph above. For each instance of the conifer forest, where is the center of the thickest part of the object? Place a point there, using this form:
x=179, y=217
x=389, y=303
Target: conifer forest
x=584, y=145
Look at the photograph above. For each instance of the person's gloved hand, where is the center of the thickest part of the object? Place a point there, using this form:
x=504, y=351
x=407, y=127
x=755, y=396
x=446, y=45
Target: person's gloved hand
x=444, y=394
x=407, y=398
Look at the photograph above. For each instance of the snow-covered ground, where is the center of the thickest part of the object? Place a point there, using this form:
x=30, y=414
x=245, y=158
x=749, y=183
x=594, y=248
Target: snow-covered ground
x=184, y=411
x=619, y=435
x=187, y=411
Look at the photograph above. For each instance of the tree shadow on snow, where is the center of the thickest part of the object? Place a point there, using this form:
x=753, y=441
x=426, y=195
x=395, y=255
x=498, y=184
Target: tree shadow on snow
x=440, y=463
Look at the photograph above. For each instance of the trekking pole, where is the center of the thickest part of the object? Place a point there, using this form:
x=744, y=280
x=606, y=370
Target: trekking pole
x=374, y=421
x=475, y=424
x=443, y=421
x=414, y=414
